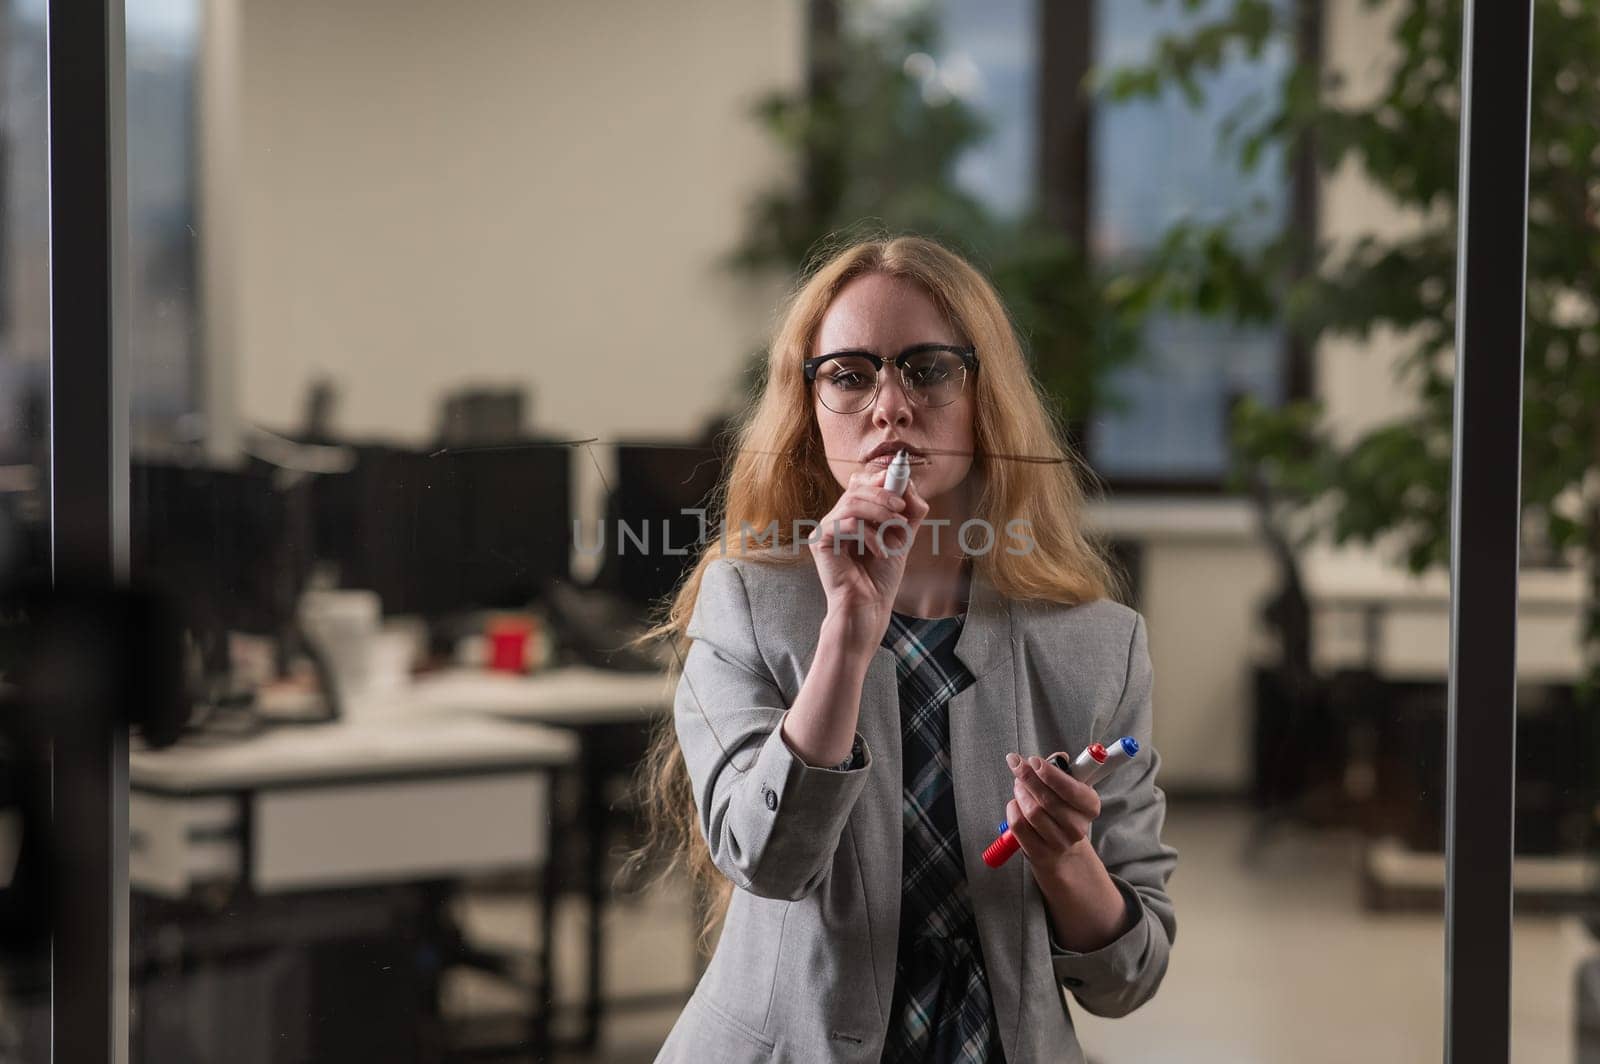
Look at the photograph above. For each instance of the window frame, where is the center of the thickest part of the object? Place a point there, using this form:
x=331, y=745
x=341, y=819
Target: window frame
x=1064, y=135
x=1064, y=183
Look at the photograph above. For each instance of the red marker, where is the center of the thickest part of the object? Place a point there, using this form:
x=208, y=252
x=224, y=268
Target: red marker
x=1094, y=764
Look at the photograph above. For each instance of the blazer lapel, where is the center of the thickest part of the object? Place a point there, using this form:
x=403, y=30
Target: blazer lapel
x=983, y=728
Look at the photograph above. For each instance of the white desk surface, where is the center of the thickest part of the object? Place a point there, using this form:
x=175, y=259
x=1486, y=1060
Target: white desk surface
x=1368, y=611
x=346, y=751
x=571, y=695
x=440, y=723
x=1361, y=577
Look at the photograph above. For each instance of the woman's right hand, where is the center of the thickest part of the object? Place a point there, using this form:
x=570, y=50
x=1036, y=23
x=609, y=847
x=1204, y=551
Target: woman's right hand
x=861, y=584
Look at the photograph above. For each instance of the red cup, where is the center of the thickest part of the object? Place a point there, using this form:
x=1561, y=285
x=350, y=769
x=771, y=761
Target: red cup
x=508, y=644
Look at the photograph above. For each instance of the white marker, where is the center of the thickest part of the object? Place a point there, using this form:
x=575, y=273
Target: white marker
x=899, y=474
x=1097, y=762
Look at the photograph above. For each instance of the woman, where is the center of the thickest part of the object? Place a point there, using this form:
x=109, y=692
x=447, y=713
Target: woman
x=860, y=704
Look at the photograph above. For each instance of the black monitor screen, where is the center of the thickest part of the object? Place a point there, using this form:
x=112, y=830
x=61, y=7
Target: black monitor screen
x=655, y=484
x=452, y=531
x=215, y=540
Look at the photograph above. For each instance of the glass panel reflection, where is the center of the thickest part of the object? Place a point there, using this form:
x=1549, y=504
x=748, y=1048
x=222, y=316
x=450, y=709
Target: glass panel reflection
x=1555, y=997
x=25, y=990
x=445, y=366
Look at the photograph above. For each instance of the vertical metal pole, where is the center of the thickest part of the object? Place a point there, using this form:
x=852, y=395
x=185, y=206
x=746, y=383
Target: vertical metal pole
x=89, y=526
x=1484, y=521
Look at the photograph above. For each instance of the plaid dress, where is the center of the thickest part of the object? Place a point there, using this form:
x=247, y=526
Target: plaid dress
x=942, y=1012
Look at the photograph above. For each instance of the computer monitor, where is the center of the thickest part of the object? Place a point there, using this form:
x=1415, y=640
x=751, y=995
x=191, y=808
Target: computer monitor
x=655, y=483
x=450, y=531
x=219, y=546
x=218, y=542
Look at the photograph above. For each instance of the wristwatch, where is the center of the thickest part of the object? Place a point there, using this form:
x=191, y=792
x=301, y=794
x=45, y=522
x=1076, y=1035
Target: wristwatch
x=855, y=758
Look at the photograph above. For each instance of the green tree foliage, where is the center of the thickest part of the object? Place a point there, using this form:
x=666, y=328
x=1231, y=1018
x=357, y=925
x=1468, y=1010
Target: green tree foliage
x=1404, y=139
x=875, y=152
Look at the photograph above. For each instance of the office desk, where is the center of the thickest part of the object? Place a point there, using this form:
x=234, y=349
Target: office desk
x=1372, y=614
x=309, y=826
x=304, y=807
x=611, y=714
x=572, y=695
x=1384, y=634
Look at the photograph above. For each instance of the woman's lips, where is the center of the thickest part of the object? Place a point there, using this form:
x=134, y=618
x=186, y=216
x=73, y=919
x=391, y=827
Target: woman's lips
x=885, y=459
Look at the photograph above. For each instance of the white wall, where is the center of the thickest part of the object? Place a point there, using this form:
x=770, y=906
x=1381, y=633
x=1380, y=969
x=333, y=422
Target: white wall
x=1204, y=573
x=426, y=194
x=1355, y=377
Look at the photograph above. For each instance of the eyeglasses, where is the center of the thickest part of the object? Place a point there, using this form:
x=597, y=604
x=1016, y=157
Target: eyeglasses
x=932, y=374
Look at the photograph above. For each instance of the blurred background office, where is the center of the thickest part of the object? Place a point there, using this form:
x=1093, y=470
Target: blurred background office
x=438, y=312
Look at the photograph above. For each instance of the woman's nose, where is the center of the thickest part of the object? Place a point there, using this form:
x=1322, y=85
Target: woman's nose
x=891, y=407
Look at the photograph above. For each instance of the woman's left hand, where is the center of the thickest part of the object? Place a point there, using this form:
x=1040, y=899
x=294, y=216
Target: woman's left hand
x=1051, y=815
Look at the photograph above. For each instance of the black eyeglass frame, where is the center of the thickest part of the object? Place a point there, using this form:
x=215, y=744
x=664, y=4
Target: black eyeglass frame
x=968, y=356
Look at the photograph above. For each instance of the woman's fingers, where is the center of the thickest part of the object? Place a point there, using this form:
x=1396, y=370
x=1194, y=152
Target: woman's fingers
x=1049, y=780
x=867, y=478
x=1037, y=845
x=870, y=485
x=853, y=527
x=871, y=497
x=876, y=494
x=1023, y=829
x=1058, y=834
x=868, y=513
x=866, y=509
x=881, y=521
x=896, y=534
x=1073, y=818
x=839, y=531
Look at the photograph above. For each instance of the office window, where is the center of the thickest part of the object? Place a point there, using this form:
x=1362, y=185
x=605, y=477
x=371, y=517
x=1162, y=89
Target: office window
x=161, y=55
x=1152, y=164
x=989, y=55
x=163, y=38
x=1148, y=165
x=986, y=58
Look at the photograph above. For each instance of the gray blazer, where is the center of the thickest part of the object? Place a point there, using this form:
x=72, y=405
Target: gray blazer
x=805, y=967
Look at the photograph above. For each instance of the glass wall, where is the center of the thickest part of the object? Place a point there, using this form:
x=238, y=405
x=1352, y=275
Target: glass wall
x=441, y=317
x=24, y=531
x=388, y=263
x=1554, y=948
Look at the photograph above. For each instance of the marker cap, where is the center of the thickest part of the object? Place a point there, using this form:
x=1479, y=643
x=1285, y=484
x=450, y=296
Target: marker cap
x=1001, y=849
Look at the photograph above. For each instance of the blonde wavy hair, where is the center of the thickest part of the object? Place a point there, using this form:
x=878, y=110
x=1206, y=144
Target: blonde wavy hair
x=779, y=474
